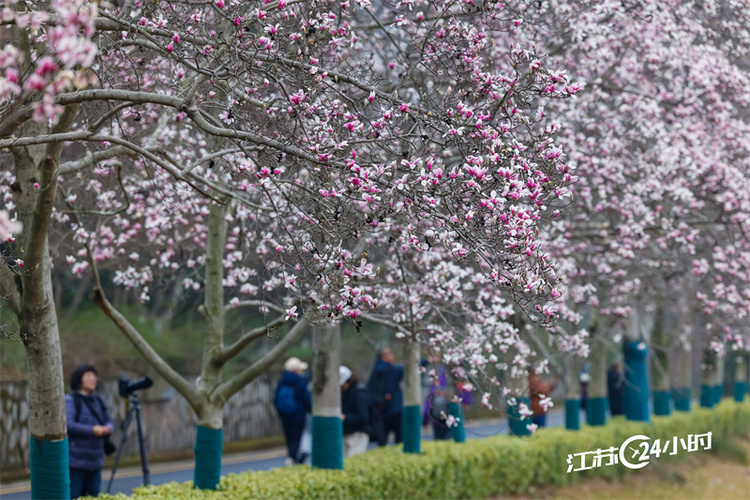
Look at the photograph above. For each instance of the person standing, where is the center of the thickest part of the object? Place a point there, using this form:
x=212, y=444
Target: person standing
x=385, y=394
x=355, y=413
x=293, y=401
x=615, y=389
x=89, y=424
x=539, y=390
x=435, y=408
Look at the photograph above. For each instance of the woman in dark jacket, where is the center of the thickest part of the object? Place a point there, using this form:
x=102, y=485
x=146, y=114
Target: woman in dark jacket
x=355, y=412
x=89, y=424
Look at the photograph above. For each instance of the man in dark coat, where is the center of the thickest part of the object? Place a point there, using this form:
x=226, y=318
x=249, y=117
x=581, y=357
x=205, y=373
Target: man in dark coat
x=293, y=401
x=89, y=424
x=615, y=389
x=387, y=400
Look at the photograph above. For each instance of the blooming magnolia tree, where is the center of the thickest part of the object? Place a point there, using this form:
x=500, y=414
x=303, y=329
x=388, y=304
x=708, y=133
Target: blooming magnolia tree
x=659, y=137
x=311, y=131
x=30, y=80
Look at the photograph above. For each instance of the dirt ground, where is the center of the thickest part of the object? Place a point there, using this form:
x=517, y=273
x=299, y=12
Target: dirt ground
x=704, y=477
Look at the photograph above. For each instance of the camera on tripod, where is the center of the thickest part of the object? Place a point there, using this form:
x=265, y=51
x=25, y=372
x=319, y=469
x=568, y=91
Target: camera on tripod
x=128, y=387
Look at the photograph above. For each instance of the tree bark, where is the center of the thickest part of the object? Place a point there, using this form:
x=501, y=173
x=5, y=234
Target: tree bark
x=719, y=379
x=36, y=178
x=572, y=369
x=708, y=377
x=412, y=414
x=661, y=386
x=683, y=376
x=597, y=401
x=327, y=427
x=740, y=376
x=214, y=302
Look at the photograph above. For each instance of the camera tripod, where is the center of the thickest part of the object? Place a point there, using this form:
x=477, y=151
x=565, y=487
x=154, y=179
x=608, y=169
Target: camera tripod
x=134, y=407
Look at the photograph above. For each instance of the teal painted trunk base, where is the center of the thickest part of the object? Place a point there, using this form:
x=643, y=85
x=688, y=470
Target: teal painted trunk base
x=636, y=389
x=596, y=411
x=718, y=393
x=707, y=396
x=740, y=389
x=50, y=473
x=411, y=428
x=209, y=444
x=662, y=403
x=327, y=442
x=573, y=414
x=516, y=424
x=682, y=399
x=458, y=432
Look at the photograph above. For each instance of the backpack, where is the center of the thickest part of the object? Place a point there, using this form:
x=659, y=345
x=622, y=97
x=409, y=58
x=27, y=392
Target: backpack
x=286, y=401
x=439, y=405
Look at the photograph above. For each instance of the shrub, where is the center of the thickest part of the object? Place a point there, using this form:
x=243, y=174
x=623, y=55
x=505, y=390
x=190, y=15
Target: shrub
x=475, y=469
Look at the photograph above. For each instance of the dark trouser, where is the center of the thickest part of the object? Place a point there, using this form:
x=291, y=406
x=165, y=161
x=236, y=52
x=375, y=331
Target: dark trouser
x=378, y=433
x=540, y=420
x=442, y=432
x=392, y=423
x=85, y=482
x=293, y=435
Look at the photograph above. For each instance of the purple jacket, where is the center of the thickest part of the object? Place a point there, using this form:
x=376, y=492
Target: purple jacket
x=86, y=450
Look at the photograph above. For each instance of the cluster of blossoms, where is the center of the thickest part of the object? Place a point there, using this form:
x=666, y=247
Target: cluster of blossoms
x=65, y=28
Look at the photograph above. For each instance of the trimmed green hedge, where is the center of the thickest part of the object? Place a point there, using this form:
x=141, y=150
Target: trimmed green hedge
x=475, y=469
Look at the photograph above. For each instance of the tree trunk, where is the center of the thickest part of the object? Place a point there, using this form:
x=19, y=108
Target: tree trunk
x=597, y=402
x=708, y=377
x=38, y=319
x=683, y=376
x=327, y=427
x=209, y=444
x=573, y=366
x=635, y=393
x=412, y=414
x=208, y=441
x=719, y=379
x=519, y=393
x=635, y=353
x=660, y=366
x=740, y=376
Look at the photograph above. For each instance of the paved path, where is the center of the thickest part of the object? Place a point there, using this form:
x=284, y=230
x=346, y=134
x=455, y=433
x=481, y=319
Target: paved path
x=131, y=477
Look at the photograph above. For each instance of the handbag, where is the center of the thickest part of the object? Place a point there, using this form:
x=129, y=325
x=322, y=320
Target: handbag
x=109, y=446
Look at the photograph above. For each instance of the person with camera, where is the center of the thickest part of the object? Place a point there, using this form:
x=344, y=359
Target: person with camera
x=89, y=428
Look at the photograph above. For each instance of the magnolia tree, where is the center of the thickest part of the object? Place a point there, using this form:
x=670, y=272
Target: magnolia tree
x=35, y=68
x=659, y=137
x=310, y=131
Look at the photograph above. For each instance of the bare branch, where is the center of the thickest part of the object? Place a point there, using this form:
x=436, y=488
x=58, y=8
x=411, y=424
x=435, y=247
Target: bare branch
x=254, y=303
x=231, y=386
x=233, y=350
